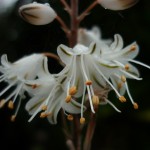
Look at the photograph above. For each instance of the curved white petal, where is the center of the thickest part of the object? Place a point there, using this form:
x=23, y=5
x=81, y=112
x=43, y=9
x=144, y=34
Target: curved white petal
x=117, y=44
x=65, y=53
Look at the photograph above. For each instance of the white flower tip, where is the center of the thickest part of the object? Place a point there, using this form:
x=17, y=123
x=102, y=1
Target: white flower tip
x=37, y=14
x=117, y=4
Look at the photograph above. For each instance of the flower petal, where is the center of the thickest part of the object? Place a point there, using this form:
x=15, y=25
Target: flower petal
x=64, y=53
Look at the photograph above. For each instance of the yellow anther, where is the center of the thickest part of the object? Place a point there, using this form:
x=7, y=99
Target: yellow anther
x=13, y=118
x=89, y=82
x=70, y=117
x=123, y=78
x=133, y=48
x=11, y=105
x=82, y=120
x=34, y=86
x=73, y=90
x=95, y=100
x=44, y=115
x=44, y=107
x=2, y=103
x=122, y=99
x=127, y=67
x=119, y=85
x=136, y=106
x=68, y=99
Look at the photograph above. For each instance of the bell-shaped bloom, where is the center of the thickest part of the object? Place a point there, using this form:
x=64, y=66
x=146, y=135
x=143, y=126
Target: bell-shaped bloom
x=86, y=37
x=37, y=14
x=48, y=97
x=15, y=74
x=117, y=4
x=85, y=72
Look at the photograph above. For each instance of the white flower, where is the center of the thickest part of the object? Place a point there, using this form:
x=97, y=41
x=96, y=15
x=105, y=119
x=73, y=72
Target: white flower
x=49, y=97
x=85, y=71
x=37, y=14
x=117, y=4
x=16, y=73
x=86, y=37
x=123, y=57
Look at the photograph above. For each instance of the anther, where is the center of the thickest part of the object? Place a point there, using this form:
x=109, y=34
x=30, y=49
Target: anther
x=135, y=105
x=73, y=90
x=123, y=78
x=2, y=103
x=44, y=107
x=127, y=67
x=13, y=118
x=11, y=105
x=82, y=120
x=122, y=99
x=70, y=117
x=43, y=114
x=119, y=85
x=34, y=86
x=95, y=100
x=133, y=48
x=68, y=99
x=88, y=82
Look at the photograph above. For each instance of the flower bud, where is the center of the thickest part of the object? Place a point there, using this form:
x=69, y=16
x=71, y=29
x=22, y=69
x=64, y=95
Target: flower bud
x=37, y=14
x=117, y=4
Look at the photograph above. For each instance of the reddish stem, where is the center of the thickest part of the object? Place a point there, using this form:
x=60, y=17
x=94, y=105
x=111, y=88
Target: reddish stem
x=89, y=132
x=74, y=23
x=85, y=13
x=67, y=7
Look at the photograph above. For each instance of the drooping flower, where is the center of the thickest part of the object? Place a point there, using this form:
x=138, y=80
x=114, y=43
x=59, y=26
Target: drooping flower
x=15, y=74
x=117, y=4
x=115, y=54
x=86, y=37
x=37, y=14
x=85, y=71
x=49, y=97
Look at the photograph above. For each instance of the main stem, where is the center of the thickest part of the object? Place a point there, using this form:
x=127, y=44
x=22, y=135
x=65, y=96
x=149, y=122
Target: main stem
x=74, y=23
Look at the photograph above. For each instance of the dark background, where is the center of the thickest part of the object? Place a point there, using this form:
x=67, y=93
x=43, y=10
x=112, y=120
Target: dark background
x=126, y=131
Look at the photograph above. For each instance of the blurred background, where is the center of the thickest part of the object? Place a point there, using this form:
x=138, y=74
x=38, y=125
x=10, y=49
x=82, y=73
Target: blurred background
x=126, y=131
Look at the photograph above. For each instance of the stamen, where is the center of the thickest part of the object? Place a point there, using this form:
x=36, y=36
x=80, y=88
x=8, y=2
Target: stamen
x=136, y=106
x=11, y=105
x=123, y=78
x=89, y=82
x=7, y=88
x=90, y=100
x=127, y=67
x=122, y=99
x=82, y=120
x=95, y=100
x=73, y=90
x=70, y=117
x=44, y=107
x=130, y=75
x=13, y=118
x=2, y=103
x=120, y=85
x=44, y=115
x=34, y=86
x=110, y=103
x=133, y=48
x=83, y=97
x=68, y=99
x=139, y=63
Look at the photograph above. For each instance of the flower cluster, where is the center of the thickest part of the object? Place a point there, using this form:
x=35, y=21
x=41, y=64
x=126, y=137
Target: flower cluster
x=93, y=67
